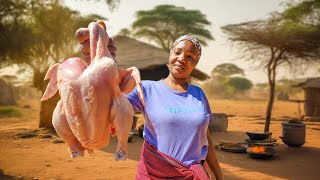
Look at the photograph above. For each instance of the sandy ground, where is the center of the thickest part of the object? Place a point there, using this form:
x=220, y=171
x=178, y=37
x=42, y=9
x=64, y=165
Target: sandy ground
x=28, y=152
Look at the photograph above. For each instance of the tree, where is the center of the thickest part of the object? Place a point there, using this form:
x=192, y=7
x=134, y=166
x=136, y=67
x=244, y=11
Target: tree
x=304, y=12
x=14, y=33
x=236, y=85
x=222, y=73
x=125, y=32
x=165, y=23
x=224, y=83
x=275, y=42
x=227, y=69
x=240, y=83
x=37, y=35
x=112, y=4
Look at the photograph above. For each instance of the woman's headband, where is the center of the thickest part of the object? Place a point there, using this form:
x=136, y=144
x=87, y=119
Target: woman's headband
x=193, y=40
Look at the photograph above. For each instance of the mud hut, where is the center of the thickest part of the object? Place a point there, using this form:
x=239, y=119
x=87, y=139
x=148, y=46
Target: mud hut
x=149, y=59
x=311, y=89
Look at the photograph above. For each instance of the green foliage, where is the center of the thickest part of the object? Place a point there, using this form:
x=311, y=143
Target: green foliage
x=125, y=32
x=283, y=85
x=165, y=23
x=262, y=85
x=227, y=69
x=304, y=12
x=38, y=33
x=229, y=91
x=112, y=4
x=227, y=87
x=14, y=32
x=223, y=83
x=9, y=111
x=240, y=83
x=301, y=20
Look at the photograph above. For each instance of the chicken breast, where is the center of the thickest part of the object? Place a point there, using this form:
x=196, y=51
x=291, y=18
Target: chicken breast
x=92, y=105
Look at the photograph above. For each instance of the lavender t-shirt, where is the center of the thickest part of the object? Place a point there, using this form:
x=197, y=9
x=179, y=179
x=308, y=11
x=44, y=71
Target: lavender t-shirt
x=175, y=122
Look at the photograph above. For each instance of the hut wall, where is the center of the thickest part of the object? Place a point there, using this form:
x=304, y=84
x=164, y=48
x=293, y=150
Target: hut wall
x=154, y=72
x=312, y=105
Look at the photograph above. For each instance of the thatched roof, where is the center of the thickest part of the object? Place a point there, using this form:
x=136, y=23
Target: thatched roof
x=150, y=59
x=310, y=83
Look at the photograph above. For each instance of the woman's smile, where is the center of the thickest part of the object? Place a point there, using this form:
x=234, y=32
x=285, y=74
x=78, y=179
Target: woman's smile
x=179, y=67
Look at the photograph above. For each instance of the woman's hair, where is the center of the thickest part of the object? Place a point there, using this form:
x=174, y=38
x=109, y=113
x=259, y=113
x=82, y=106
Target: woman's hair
x=193, y=40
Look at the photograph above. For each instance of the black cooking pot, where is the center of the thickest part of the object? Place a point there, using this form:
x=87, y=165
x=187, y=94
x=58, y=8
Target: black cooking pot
x=259, y=136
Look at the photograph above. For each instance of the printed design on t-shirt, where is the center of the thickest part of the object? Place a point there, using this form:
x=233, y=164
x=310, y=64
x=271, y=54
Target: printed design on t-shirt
x=184, y=109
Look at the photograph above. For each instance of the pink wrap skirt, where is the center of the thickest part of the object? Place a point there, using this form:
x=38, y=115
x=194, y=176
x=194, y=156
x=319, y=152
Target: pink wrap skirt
x=154, y=165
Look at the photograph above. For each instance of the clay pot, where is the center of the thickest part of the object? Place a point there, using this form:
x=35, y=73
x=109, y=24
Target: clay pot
x=293, y=133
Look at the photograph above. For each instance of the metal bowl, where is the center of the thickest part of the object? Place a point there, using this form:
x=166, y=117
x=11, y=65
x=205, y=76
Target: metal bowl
x=259, y=136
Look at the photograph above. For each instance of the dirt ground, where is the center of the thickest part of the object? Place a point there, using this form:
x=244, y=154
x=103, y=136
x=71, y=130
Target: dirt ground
x=28, y=152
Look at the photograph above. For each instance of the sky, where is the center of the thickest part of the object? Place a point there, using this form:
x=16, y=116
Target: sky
x=218, y=12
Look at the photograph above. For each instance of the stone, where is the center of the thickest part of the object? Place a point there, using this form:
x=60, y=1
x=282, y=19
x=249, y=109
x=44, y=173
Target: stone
x=220, y=122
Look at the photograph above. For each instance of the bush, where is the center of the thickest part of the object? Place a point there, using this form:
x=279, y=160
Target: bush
x=9, y=111
x=240, y=83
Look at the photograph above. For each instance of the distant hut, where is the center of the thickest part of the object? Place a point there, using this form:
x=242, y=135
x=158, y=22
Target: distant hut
x=150, y=60
x=311, y=89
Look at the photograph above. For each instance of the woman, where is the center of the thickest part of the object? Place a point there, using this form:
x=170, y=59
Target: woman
x=177, y=143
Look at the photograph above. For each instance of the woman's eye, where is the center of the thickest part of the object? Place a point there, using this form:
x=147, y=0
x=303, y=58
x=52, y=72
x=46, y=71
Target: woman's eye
x=190, y=58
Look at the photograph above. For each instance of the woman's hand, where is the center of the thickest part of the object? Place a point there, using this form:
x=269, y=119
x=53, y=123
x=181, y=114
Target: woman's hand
x=82, y=35
x=130, y=78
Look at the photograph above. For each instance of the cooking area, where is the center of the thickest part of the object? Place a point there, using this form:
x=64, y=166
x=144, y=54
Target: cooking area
x=263, y=146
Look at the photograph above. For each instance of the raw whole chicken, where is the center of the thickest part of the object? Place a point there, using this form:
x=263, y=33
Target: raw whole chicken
x=92, y=105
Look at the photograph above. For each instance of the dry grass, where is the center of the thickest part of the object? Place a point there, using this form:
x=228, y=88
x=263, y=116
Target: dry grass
x=29, y=110
x=39, y=156
x=254, y=108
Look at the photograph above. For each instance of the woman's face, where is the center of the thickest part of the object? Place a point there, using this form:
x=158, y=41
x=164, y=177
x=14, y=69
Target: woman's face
x=183, y=59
